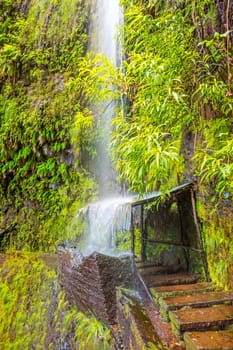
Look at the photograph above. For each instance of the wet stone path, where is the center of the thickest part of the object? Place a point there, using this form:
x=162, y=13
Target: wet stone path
x=195, y=315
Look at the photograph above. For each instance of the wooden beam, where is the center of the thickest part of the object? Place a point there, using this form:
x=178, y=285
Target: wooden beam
x=132, y=234
x=143, y=235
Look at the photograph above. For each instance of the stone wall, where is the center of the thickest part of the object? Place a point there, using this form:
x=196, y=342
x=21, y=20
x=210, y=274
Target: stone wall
x=91, y=282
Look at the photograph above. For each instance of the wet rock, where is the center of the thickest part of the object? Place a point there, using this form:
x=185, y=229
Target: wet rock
x=91, y=282
x=137, y=330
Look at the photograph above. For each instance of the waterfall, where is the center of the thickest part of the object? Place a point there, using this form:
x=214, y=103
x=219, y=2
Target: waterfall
x=106, y=219
x=111, y=215
x=105, y=18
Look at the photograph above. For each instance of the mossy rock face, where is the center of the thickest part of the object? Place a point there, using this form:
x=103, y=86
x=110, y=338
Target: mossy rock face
x=42, y=44
x=217, y=233
x=137, y=330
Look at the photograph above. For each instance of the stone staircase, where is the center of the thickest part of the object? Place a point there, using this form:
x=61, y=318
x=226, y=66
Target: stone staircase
x=194, y=314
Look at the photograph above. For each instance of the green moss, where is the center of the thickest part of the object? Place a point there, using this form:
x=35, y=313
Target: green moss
x=176, y=86
x=34, y=312
x=178, y=122
x=42, y=44
x=141, y=333
x=217, y=232
x=26, y=294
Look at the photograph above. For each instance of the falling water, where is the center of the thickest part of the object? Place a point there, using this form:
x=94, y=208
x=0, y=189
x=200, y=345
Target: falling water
x=105, y=19
x=111, y=215
x=106, y=219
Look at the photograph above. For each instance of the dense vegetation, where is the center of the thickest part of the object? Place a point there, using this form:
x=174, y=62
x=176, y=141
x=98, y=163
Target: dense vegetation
x=34, y=313
x=45, y=128
x=176, y=125
x=178, y=122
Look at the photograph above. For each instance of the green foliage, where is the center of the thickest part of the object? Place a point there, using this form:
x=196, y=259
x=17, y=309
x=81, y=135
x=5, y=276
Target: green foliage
x=175, y=79
x=26, y=294
x=217, y=231
x=44, y=121
x=148, y=156
x=147, y=140
x=177, y=124
x=90, y=333
x=216, y=160
x=123, y=241
x=34, y=314
x=78, y=330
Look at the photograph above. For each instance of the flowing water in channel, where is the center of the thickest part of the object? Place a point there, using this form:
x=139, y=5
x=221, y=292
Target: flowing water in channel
x=110, y=215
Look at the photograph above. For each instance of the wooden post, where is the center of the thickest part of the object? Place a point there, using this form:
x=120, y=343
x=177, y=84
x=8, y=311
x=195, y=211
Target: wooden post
x=132, y=233
x=143, y=235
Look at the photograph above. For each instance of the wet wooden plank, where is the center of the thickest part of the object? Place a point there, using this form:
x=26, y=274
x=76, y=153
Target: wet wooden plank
x=211, y=340
x=157, y=270
x=170, y=279
x=182, y=289
x=201, y=319
x=195, y=300
x=142, y=264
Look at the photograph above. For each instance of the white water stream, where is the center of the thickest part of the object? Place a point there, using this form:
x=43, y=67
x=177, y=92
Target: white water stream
x=105, y=220
x=105, y=19
x=111, y=214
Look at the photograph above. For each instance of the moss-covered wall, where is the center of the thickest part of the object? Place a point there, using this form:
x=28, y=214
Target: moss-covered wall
x=136, y=327
x=34, y=312
x=217, y=225
x=178, y=122
x=47, y=84
x=45, y=125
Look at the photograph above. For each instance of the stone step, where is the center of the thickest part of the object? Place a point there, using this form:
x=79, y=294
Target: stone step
x=170, y=279
x=193, y=300
x=206, y=318
x=182, y=289
x=210, y=340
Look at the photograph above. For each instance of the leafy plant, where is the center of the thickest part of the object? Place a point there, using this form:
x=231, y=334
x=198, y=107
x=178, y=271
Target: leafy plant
x=41, y=111
x=91, y=333
x=177, y=84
